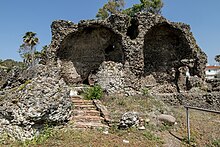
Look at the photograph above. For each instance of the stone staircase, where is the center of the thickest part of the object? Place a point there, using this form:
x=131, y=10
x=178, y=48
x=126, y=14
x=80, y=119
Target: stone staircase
x=87, y=114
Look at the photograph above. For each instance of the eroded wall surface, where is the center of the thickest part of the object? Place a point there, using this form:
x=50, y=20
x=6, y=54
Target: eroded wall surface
x=125, y=55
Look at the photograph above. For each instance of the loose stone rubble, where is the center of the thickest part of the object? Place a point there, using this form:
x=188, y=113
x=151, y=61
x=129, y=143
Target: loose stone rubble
x=129, y=119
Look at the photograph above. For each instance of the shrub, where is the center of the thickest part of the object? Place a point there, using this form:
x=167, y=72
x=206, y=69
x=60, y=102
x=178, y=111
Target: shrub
x=145, y=91
x=94, y=92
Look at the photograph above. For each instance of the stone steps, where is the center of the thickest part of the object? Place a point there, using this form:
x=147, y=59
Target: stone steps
x=96, y=119
x=84, y=107
x=89, y=125
x=85, y=114
x=76, y=101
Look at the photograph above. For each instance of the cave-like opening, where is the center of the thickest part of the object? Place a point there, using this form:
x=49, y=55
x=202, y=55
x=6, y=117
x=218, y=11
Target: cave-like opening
x=88, y=48
x=164, y=48
x=133, y=30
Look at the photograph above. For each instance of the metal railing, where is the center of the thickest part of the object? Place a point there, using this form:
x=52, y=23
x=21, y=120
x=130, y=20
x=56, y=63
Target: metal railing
x=187, y=117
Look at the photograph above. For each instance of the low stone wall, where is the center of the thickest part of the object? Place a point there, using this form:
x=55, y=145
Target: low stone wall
x=201, y=100
x=214, y=84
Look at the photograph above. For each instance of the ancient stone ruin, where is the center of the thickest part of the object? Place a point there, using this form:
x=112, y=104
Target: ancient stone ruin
x=125, y=55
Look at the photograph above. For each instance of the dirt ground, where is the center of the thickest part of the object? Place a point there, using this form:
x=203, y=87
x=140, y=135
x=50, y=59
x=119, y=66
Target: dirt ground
x=205, y=128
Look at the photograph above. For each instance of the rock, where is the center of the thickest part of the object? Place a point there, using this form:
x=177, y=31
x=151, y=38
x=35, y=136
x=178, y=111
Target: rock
x=26, y=109
x=129, y=119
x=165, y=88
x=199, y=99
x=147, y=120
x=103, y=110
x=167, y=119
x=214, y=84
x=11, y=79
x=105, y=132
x=73, y=93
x=195, y=81
x=142, y=128
x=125, y=141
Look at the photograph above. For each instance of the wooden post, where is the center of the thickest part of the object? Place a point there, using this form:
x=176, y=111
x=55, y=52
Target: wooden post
x=188, y=124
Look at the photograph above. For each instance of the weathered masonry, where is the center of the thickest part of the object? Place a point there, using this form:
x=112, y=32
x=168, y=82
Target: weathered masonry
x=125, y=55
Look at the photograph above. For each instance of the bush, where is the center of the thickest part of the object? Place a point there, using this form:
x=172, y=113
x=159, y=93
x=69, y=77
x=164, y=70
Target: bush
x=94, y=92
x=145, y=91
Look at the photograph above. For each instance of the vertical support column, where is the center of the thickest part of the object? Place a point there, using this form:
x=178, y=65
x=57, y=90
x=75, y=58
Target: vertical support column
x=188, y=124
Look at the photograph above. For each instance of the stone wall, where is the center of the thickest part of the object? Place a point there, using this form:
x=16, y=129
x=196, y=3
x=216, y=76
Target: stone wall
x=204, y=100
x=144, y=46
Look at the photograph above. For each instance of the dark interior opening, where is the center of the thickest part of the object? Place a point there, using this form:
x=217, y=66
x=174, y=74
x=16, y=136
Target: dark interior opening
x=88, y=48
x=133, y=31
x=164, y=48
x=112, y=53
x=86, y=81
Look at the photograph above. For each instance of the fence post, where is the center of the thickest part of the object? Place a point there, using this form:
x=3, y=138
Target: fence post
x=188, y=124
x=187, y=117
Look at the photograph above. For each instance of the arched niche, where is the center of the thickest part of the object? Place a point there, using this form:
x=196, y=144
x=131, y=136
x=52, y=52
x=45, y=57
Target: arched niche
x=88, y=48
x=164, y=48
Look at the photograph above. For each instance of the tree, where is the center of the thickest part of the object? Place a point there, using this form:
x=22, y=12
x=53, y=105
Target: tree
x=152, y=6
x=10, y=64
x=28, y=48
x=116, y=6
x=111, y=7
x=155, y=6
x=217, y=58
x=43, y=55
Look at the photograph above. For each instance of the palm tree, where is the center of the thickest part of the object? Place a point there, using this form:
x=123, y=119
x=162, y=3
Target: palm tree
x=30, y=41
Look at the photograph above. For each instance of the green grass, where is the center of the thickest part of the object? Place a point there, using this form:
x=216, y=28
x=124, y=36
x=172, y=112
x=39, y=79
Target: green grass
x=150, y=136
x=47, y=133
x=41, y=138
x=216, y=143
x=82, y=138
x=21, y=87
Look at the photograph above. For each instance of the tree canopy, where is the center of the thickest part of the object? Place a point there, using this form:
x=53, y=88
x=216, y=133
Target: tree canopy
x=217, y=58
x=10, y=64
x=111, y=7
x=116, y=6
x=152, y=6
x=28, y=48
